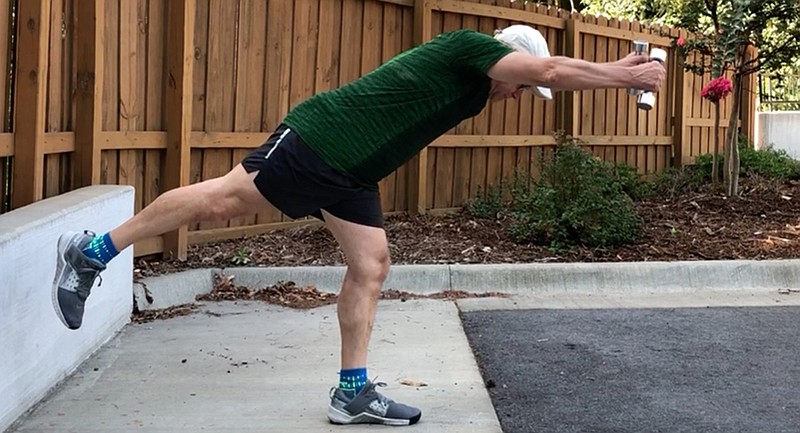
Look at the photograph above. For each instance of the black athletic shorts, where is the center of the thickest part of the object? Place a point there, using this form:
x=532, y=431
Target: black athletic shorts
x=297, y=182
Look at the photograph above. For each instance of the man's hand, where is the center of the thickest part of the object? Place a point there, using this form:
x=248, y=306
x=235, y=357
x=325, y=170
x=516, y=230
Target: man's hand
x=648, y=76
x=633, y=59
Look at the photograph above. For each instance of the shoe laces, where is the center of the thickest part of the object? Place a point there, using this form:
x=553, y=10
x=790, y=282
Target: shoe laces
x=369, y=389
x=83, y=279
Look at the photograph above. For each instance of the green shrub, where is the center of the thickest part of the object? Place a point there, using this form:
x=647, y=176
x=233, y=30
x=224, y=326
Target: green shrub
x=631, y=183
x=578, y=200
x=675, y=181
x=581, y=200
x=488, y=204
x=703, y=165
x=770, y=163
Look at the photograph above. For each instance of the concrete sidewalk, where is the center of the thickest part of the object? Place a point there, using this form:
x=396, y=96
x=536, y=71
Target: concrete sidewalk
x=253, y=367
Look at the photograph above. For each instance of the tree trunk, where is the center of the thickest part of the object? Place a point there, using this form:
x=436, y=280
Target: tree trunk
x=714, y=156
x=732, y=149
x=570, y=5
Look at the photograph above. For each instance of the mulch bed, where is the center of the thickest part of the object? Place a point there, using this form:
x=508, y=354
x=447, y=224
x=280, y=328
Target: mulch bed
x=762, y=223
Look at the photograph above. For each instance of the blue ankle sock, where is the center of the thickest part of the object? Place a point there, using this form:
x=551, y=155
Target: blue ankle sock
x=353, y=380
x=101, y=248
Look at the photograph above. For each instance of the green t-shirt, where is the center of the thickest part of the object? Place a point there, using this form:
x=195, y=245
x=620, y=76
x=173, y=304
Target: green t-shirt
x=368, y=128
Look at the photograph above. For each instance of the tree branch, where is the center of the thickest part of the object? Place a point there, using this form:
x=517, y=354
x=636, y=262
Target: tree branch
x=711, y=5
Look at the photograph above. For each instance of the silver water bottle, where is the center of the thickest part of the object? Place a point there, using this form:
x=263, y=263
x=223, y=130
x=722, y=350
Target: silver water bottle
x=647, y=100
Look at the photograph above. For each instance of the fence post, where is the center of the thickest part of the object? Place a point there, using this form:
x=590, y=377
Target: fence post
x=180, y=59
x=681, y=109
x=568, y=107
x=31, y=95
x=90, y=16
x=418, y=165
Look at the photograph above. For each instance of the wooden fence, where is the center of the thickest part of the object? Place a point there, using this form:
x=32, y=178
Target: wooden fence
x=163, y=93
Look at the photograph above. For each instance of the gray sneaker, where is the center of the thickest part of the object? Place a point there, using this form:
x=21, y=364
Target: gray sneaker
x=75, y=277
x=369, y=407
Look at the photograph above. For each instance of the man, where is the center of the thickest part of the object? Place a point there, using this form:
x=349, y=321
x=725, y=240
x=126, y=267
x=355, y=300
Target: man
x=326, y=160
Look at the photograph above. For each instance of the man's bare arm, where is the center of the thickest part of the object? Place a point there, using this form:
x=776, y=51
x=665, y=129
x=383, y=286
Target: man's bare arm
x=565, y=73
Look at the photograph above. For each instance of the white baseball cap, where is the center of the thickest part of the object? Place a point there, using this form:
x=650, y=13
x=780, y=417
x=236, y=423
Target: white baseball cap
x=526, y=39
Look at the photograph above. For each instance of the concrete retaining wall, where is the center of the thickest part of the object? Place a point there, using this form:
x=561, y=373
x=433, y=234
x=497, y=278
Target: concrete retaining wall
x=36, y=349
x=779, y=129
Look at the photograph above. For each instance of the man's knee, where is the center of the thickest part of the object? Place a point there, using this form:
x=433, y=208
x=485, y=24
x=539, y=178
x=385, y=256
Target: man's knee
x=212, y=204
x=229, y=197
x=372, y=270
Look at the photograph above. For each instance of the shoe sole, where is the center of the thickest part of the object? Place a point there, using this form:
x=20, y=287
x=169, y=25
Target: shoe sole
x=336, y=416
x=63, y=242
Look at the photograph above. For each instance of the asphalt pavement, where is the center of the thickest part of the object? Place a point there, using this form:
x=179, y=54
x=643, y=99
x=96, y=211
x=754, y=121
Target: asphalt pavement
x=724, y=369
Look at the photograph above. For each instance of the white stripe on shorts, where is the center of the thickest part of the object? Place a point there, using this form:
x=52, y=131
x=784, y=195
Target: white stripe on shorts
x=283, y=135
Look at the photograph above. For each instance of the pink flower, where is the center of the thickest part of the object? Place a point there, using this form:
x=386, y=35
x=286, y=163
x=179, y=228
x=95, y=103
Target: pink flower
x=717, y=89
x=681, y=41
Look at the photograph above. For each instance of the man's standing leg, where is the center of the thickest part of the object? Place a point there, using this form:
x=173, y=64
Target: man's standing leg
x=356, y=400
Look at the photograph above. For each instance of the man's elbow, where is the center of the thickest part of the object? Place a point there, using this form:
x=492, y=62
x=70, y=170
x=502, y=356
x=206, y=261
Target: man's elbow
x=550, y=77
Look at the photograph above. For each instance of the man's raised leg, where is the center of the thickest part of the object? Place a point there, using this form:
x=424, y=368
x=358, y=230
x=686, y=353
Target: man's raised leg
x=220, y=199
x=82, y=256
